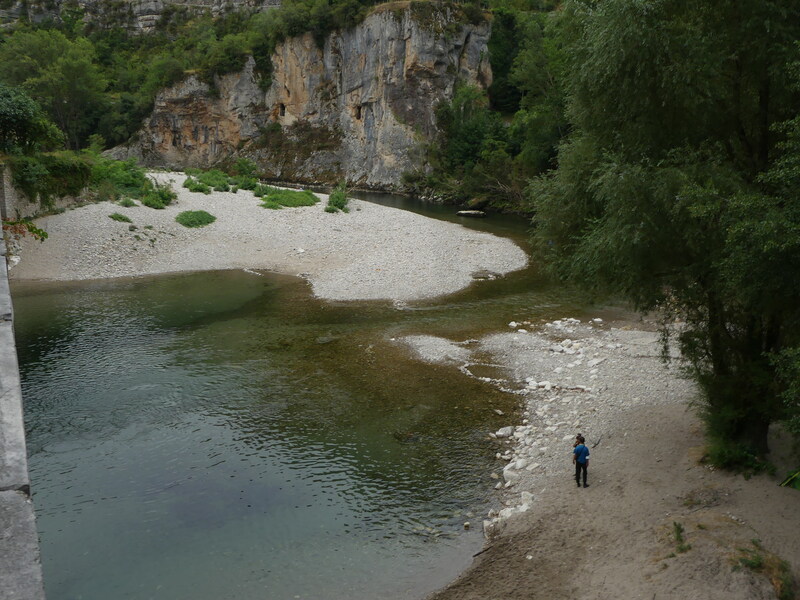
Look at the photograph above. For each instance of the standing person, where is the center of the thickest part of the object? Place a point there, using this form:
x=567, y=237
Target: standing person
x=580, y=457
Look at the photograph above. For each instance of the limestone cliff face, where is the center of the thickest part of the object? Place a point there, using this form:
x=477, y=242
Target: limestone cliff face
x=192, y=127
x=359, y=108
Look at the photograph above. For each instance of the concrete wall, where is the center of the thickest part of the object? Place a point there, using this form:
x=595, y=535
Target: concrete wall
x=20, y=566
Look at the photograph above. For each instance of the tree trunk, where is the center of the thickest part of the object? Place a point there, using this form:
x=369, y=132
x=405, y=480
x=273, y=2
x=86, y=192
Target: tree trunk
x=752, y=432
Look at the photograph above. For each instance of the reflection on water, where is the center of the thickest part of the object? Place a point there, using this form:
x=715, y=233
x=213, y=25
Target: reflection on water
x=226, y=435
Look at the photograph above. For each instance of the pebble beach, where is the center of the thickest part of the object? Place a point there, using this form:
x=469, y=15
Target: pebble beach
x=371, y=253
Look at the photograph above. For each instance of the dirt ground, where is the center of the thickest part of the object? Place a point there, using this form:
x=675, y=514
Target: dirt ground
x=616, y=539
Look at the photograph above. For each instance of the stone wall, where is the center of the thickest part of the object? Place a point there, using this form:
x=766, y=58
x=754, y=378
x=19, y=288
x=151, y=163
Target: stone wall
x=20, y=566
x=13, y=204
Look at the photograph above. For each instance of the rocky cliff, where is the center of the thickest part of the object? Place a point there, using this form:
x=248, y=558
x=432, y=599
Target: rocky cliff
x=359, y=108
x=140, y=15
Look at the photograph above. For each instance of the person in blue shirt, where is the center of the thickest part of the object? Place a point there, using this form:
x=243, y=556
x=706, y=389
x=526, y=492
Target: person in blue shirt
x=580, y=457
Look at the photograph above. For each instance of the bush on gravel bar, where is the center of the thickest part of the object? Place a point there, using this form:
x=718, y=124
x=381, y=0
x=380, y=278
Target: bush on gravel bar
x=195, y=218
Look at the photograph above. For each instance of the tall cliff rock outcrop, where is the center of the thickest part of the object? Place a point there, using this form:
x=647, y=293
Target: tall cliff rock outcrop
x=360, y=108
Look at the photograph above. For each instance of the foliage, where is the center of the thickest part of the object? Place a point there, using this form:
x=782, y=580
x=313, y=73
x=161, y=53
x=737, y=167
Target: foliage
x=672, y=189
x=680, y=541
x=195, y=185
x=23, y=125
x=120, y=217
x=244, y=167
x=205, y=181
x=23, y=227
x=158, y=196
x=195, y=218
x=50, y=175
x=472, y=157
x=276, y=198
x=123, y=178
x=126, y=202
x=482, y=158
x=337, y=200
x=241, y=177
x=503, y=49
x=60, y=74
x=792, y=480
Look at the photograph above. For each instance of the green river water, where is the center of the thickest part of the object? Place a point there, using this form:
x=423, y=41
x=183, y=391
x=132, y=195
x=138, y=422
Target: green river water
x=226, y=435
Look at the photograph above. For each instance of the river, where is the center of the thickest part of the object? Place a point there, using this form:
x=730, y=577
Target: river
x=227, y=435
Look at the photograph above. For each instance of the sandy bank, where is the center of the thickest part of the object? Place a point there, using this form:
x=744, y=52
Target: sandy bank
x=550, y=540
x=374, y=252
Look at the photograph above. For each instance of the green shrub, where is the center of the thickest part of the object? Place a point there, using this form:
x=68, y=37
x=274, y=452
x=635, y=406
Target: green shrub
x=193, y=185
x=208, y=180
x=289, y=198
x=247, y=183
x=735, y=457
x=159, y=196
x=126, y=202
x=126, y=177
x=680, y=541
x=263, y=190
x=244, y=167
x=120, y=217
x=337, y=201
x=51, y=175
x=195, y=218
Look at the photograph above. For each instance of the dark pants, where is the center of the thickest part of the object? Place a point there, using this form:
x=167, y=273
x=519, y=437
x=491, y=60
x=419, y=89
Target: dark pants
x=578, y=468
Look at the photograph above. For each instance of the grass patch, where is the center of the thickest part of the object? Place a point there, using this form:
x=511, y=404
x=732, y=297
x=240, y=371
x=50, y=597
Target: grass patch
x=777, y=570
x=337, y=201
x=120, y=217
x=195, y=218
x=127, y=203
x=680, y=541
x=275, y=198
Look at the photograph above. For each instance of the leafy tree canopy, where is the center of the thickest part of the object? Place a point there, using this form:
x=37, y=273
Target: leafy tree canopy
x=23, y=125
x=674, y=188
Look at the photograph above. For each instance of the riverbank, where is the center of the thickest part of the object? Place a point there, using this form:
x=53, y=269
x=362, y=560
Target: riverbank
x=373, y=252
x=617, y=538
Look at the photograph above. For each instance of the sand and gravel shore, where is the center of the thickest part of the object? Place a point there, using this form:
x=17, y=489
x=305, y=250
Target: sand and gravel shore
x=548, y=539
x=373, y=252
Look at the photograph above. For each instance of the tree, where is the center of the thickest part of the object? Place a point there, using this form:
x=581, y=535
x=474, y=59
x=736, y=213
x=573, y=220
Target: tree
x=671, y=189
x=23, y=125
x=60, y=75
